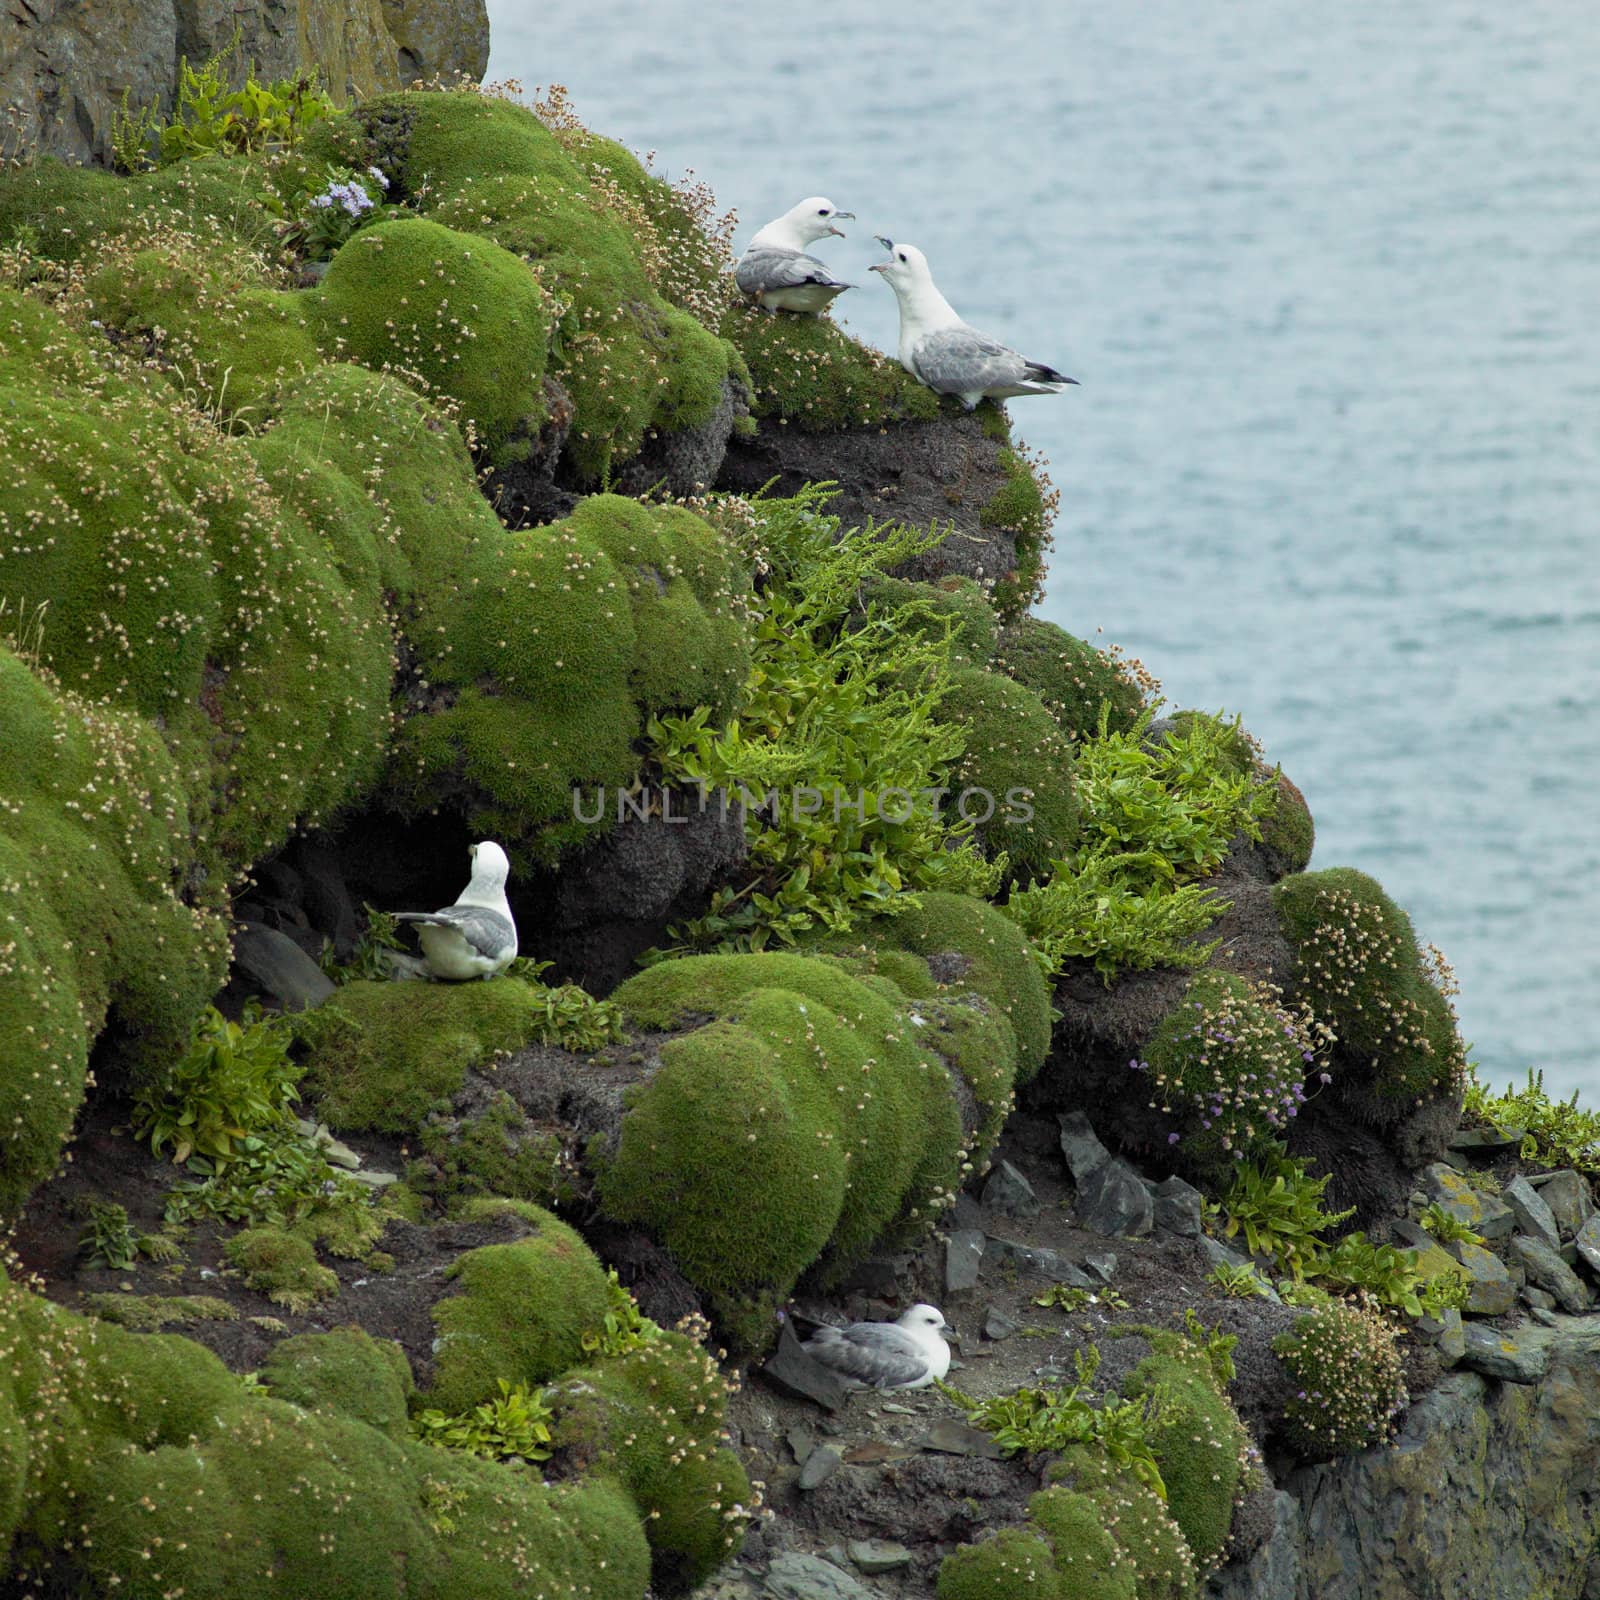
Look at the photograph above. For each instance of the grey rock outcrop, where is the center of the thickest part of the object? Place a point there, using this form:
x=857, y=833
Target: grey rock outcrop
x=64, y=64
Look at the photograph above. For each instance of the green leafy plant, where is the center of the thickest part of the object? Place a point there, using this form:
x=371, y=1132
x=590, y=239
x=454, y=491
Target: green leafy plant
x=1217, y=1345
x=1443, y=1225
x=1386, y=1273
x=625, y=1327
x=514, y=1426
x=1556, y=1133
x=1278, y=1207
x=367, y=962
x=233, y=1080
x=1238, y=1283
x=836, y=745
x=110, y=1240
x=211, y=119
x=1045, y=1418
x=572, y=1018
x=1063, y=1298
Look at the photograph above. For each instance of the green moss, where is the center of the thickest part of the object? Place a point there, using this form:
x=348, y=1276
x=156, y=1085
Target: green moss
x=149, y=1313
x=453, y=308
x=653, y=1418
x=953, y=605
x=498, y=1152
x=1019, y=506
x=1015, y=1562
x=1071, y=677
x=1089, y=1563
x=1348, y=1378
x=1151, y=1542
x=1019, y=761
x=810, y=374
x=382, y=1055
x=519, y=1313
x=346, y=1371
x=808, y=1116
x=283, y=1267
x=1198, y=1445
x=1358, y=966
x=1290, y=833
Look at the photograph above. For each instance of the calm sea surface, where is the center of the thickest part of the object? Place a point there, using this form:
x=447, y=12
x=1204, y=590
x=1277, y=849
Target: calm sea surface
x=1329, y=278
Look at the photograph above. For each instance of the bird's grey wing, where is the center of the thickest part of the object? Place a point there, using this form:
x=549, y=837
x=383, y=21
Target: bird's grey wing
x=762, y=271
x=961, y=360
x=877, y=1354
x=488, y=932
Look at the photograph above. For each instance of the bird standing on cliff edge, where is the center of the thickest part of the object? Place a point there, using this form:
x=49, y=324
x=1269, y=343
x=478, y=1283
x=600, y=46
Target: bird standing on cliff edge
x=776, y=274
x=944, y=352
x=474, y=938
x=908, y=1354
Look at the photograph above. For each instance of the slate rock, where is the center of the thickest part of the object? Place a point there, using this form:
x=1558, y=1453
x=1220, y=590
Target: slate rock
x=957, y=1439
x=1545, y=1268
x=1544, y=1317
x=1101, y=1264
x=793, y=1371
x=1487, y=1139
x=967, y=1213
x=1178, y=1208
x=1587, y=1244
x=1487, y=1216
x=1538, y=1299
x=1532, y=1214
x=1009, y=1193
x=1218, y=1254
x=1112, y=1201
x=1515, y=1357
x=795, y=1576
x=1490, y=1288
x=1037, y=1262
x=278, y=968
x=963, y=1255
x=878, y=1555
x=1081, y=1146
x=997, y=1325
x=1567, y=1195
x=1432, y=1259
x=820, y=1465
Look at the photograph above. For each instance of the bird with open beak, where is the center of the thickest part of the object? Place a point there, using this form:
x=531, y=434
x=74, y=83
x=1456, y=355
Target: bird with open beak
x=776, y=274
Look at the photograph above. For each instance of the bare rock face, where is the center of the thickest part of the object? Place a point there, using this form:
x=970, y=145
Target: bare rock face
x=64, y=64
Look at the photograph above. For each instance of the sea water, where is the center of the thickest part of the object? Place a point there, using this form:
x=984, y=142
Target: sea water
x=1328, y=276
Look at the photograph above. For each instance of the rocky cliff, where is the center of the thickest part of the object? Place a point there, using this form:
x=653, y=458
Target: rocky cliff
x=65, y=65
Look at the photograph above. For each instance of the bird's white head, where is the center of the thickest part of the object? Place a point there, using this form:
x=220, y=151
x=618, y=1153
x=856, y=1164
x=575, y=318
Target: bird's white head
x=813, y=218
x=490, y=865
x=906, y=270
x=927, y=1322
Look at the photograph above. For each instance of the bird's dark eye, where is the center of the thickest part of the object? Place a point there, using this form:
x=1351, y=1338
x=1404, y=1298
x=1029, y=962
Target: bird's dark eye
x=822, y=211
x=902, y=255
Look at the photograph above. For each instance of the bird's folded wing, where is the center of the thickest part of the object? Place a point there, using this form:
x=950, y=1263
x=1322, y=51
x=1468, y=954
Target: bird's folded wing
x=761, y=271
x=960, y=360
x=878, y=1354
x=488, y=932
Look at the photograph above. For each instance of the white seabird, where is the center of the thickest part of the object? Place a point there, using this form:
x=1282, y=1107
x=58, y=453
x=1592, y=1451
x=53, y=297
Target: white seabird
x=474, y=938
x=944, y=352
x=776, y=274
x=908, y=1354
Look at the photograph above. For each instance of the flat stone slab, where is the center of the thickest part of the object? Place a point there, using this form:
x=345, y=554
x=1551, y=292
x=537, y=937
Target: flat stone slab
x=1545, y=1268
x=957, y=1439
x=963, y=1255
x=1515, y=1358
x=1533, y=1216
x=279, y=968
x=997, y=1325
x=1487, y=1138
x=878, y=1555
x=820, y=1465
x=1032, y=1262
x=1488, y=1217
x=793, y=1576
x=793, y=1371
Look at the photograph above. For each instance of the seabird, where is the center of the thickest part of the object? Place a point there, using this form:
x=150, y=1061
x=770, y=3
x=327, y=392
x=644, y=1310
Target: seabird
x=776, y=274
x=944, y=352
x=908, y=1354
x=474, y=938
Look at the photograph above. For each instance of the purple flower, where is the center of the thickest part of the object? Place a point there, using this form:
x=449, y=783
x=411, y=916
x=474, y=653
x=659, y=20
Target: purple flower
x=1172, y=1138
x=377, y=172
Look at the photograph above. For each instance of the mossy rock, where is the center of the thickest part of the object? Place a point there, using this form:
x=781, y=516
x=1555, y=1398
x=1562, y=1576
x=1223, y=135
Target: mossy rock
x=1018, y=767
x=1198, y=1445
x=653, y=1418
x=806, y=1117
x=1019, y=507
x=808, y=373
x=1090, y=1564
x=346, y=1371
x=1347, y=1374
x=1016, y=1561
x=519, y=1312
x=1074, y=680
x=1359, y=968
x=494, y=1152
x=1151, y=1542
x=383, y=1055
x=953, y=606
x=282, y=1266
x=464, y=315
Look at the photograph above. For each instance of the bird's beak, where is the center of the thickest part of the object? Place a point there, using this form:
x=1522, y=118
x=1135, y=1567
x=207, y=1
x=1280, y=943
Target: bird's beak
x=947, y=1332
x=888, y=244
x=1069, y=380
x=848, y=216
x=879, y=266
